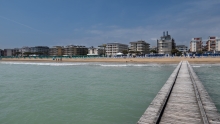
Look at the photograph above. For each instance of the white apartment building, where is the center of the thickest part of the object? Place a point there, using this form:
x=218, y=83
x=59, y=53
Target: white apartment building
x=196, y=44
x=95, y=51
x=8, y=52
x=140, y=46
x=218, y=44
x=25, y=49
x=113, y=48
x=213, y=44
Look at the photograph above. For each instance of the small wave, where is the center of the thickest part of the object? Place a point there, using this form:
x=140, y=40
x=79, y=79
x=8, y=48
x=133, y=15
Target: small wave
x=196, y=66
x=130, y=65
x=112, y=65
x=81, y=64
x=49, y=64
x=205, y=65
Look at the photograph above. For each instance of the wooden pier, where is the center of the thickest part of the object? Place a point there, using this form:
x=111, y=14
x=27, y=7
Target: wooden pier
x=182, y=100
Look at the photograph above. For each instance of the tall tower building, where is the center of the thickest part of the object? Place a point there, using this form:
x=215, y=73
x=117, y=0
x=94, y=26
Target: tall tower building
x=165, y=44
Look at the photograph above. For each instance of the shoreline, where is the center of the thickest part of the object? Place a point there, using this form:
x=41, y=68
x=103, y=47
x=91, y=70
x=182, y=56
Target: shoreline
x=174, y=60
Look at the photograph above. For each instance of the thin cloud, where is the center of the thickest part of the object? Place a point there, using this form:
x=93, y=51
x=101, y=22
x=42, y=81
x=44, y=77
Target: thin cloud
x=21, y=24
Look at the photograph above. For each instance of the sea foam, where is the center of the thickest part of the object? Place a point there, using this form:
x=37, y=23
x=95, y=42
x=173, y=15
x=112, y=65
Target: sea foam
x=89, y=63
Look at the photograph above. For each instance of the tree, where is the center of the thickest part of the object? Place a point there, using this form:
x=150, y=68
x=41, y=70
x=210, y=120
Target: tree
x=200, y=52
x=17, y=53
x=174, y=51
x=179, y=53
x=27, y=53
x=204, y=50
x=125, y=51
x=153, y=51
x=39, y=53
x=103, y=46
x=137, y=52
x=131, y=52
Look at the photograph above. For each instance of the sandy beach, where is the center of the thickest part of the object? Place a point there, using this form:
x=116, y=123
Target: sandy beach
x=122, y=60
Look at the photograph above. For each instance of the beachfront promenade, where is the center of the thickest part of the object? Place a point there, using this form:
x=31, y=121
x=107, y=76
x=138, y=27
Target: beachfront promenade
x=182, y=100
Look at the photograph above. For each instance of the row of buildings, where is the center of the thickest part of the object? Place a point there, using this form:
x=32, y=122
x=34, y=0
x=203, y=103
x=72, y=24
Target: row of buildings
x=165, y=45
x=212, y=44
x=109, y=49
x=46, y=51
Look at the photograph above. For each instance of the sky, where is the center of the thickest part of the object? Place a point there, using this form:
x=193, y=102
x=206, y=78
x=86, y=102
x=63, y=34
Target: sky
x=95, y=22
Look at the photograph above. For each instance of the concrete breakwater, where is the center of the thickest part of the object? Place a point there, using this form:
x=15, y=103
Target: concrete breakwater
x=182, y=99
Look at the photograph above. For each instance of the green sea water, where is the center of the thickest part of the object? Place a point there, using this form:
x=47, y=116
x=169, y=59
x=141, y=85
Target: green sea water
x=209, y=74
x=78, y=93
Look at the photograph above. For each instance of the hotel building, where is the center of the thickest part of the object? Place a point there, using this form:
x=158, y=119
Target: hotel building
x=165, y=44
x=113, y=48
x=95, y=51
x=81, y=50
x=8, y=52
x=56, y=51
x=213, y=44
x=72, y=50
x=196, y=44
x=43, y=50
x=140, y=46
